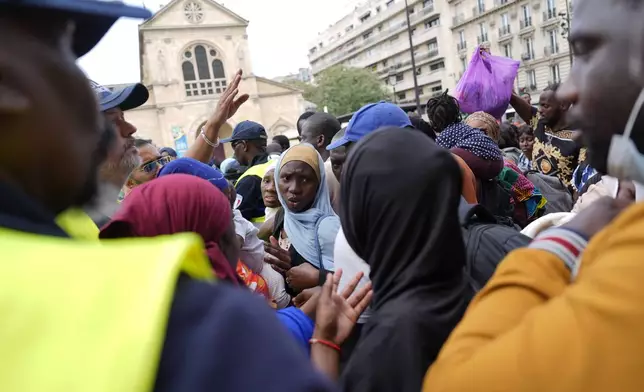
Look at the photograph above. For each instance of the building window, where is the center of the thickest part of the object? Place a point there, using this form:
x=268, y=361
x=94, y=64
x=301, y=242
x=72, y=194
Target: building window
x=366, y=17
x=461, y=36
x=412, y=31
x=436, y=90
x=529, y=49
x=401, y=96
x=464, y=63
x=481, y=6
x=507, y=49
x=432, y=23
x=384, y=62
x=554, y=73
x=419, y=71
x=436, y=66
x=531, y=75
x=400, y=77
x=420, y=91
x=203, y=71
x=411, y=10
x=390, y=3
x=432, y=46
x=554, y=47
x=428, y=3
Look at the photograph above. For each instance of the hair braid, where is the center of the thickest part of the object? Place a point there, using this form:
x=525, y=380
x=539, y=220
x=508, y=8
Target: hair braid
x=443, y=111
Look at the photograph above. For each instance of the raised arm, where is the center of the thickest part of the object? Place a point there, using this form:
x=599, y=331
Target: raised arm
x=203, y=147
x=523, y=109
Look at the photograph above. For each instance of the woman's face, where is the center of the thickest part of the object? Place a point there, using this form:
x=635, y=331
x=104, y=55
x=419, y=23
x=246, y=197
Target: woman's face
x=480, y=125
x=298, y=185
x=526, y=142
x=269, y=192
x=229, y=244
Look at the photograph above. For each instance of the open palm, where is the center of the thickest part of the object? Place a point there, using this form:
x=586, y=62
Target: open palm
x=338, y=313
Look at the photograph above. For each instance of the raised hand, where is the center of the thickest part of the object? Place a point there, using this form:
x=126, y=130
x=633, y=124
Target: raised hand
x=338, y=313
x=228, y=103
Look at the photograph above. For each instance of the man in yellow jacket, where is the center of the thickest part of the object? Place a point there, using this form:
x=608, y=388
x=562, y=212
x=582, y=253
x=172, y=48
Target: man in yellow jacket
x=567, y=313
x=129, y=315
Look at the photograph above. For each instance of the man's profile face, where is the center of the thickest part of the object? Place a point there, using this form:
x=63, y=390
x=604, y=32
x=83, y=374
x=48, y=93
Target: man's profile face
x=606, y=38
x=123, y=156
x=338, y=156
x=527, y=98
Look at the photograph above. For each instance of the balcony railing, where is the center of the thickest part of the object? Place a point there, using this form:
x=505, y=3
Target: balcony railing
x=551, y=49
x=525, y=23
x=498, y=3
x=482, y=38
x=527, y=56
x=461, y=46
x=458, y=19
x=549, y=14
x=504, y=30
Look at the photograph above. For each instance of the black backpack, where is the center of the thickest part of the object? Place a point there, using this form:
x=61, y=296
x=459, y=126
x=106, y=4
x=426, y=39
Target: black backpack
x=495, y=199
x=487, y=242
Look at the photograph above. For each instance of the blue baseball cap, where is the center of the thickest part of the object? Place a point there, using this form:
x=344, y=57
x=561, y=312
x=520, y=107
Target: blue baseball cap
x=126, y=98
x=93, y=17
x=247, y=130
x=369, y=118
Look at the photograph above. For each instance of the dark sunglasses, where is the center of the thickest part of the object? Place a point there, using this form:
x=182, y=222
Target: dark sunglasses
x=153, y=166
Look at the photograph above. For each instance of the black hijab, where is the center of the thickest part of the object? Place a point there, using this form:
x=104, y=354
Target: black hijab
x=400, y=196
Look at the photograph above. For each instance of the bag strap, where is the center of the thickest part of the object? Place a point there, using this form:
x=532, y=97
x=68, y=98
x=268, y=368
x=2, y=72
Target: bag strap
x=468, y=211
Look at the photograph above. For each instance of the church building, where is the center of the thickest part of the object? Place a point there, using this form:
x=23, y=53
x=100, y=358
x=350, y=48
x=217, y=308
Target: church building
x=189, y=51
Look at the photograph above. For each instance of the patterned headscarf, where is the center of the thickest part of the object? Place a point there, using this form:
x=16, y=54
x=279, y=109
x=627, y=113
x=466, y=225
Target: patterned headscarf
x=492, y=126
x=459, y=135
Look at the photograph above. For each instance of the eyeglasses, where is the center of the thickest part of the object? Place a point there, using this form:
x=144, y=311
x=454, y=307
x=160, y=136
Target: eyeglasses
x=153, y=166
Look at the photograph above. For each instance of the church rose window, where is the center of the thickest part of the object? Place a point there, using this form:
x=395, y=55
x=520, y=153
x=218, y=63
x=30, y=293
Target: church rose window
x=193, y=12
x=203, y=71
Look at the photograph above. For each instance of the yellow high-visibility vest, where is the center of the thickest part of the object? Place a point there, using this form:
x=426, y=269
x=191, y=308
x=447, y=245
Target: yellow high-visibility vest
x=78, y=224
x=259, y=171
x=88, y=316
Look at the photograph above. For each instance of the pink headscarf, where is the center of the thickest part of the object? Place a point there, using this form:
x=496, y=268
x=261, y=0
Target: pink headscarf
x=176, y=204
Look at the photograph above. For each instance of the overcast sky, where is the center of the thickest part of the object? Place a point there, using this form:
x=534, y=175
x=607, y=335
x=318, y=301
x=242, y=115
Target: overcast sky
x=279, y=35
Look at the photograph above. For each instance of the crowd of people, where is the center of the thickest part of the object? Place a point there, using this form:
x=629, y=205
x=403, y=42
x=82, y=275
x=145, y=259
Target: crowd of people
x=456, y=253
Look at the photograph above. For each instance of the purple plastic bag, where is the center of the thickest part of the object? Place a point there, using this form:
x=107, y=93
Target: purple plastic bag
x=487, y=84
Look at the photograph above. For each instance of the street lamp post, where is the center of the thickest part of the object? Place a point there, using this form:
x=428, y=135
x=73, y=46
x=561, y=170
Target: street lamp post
x=392, y=81
x=413, y=60
x=565, y=28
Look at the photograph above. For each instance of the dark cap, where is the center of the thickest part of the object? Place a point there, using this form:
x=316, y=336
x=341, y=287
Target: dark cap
x=247, y=130
x=93, y=17
x=126, y=98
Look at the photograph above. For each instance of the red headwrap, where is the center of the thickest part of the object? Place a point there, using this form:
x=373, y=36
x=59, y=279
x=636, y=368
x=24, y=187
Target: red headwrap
x=176, y=204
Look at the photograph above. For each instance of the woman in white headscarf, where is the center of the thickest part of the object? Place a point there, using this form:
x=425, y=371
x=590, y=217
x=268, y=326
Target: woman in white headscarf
x=303, y=249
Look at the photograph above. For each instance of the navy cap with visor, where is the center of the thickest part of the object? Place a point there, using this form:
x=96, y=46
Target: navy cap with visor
x=247, y=130
x=93, y=18
x=126, y=98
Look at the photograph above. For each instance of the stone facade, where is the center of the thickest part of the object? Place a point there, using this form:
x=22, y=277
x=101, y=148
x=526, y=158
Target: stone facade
x=189, y=50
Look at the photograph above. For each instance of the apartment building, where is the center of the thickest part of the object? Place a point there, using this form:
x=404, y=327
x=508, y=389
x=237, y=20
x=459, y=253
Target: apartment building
x=375, y=36
x=525, y=30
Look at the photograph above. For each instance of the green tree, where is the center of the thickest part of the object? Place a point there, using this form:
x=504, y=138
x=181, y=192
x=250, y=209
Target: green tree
x=344, y=89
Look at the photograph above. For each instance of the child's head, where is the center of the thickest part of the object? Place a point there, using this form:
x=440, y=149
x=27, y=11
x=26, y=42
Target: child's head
x=526, y=139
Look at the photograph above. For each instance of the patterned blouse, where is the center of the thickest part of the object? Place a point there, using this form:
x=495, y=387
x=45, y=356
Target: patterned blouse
x=555, y=153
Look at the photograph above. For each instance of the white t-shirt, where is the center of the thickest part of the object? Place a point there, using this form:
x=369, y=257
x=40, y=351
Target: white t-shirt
x=252, y=251
x=347, y=259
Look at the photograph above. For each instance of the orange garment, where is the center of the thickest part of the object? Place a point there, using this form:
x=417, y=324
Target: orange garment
x=253, y=281
x=530, y=329
x=469, y=182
